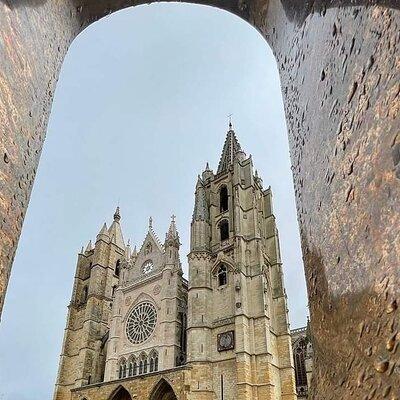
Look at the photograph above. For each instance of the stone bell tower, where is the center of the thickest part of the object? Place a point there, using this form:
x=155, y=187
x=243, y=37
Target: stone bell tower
x=84, y=347
x=238, y=332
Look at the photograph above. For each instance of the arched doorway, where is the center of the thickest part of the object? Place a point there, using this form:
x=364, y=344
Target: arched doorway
x=120, y=394
x=163, y=391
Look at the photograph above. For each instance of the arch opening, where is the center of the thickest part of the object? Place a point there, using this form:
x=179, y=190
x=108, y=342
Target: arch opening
x=163, y=391
x=120, y=394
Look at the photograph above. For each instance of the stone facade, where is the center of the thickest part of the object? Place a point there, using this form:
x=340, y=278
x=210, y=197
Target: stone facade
x=137, y=329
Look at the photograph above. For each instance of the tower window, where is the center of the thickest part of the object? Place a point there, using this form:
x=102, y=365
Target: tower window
x=223, y=199
x=222, y=275
x=224, y=229
x=117, y=268
x=84, y=294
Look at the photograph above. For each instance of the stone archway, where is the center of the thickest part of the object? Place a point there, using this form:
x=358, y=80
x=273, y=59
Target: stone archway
x=338, y=63
x=120, y=394
x=163, y=391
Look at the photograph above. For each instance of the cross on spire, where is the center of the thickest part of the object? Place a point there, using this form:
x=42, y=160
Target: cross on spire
x=230, y=121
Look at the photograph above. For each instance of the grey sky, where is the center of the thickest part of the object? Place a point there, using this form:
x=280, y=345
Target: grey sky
x=141, y=105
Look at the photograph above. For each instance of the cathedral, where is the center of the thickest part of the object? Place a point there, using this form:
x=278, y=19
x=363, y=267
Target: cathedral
x=137, y=329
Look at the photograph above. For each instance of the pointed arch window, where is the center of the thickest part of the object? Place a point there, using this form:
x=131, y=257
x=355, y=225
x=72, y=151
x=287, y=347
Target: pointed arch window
x=224, y=229
x=117, y=270
x=300, y=351
x=122, y=369
x=141, y=367
x=130, y=369
x=135, y=368
x=153, y=364
x=222, y=275
x=223, y=199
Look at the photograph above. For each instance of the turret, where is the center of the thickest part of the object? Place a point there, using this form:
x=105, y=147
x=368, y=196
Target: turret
x=172, y=244
x=207, y=173
x=97, y=274
x=200, y=227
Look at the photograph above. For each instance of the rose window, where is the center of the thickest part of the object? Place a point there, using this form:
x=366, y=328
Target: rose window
x=141, y=322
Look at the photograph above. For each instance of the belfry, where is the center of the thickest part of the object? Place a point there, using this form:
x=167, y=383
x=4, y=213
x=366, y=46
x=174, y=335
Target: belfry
x=136, y=328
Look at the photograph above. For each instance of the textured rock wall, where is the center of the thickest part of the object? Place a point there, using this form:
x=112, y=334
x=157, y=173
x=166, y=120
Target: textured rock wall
x=339, y=66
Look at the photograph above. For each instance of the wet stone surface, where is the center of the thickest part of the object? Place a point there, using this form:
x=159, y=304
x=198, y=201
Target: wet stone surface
x=339, y=67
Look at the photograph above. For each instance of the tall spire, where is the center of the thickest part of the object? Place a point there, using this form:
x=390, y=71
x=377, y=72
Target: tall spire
x=200, y=212
x=231, y=147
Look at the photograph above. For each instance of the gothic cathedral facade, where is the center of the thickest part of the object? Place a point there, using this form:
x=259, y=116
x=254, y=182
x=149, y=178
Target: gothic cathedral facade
x=137, y=329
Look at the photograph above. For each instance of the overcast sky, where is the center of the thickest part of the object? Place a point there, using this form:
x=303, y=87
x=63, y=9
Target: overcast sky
x=141, y=105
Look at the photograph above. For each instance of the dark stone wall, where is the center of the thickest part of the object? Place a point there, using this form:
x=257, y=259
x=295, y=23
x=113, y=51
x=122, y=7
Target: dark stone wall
x=339, y=64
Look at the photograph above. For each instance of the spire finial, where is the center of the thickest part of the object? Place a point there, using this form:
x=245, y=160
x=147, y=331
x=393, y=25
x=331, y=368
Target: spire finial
x=230, y=121
x=117, y=215
x=173, y=218
x=150, y=222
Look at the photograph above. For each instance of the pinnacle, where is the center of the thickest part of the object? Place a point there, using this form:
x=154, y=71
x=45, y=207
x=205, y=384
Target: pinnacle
x=200, y=212
x=128, y=250
x=103, y=230
x=172, y=231
x=117, y=215
x=89, y=246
